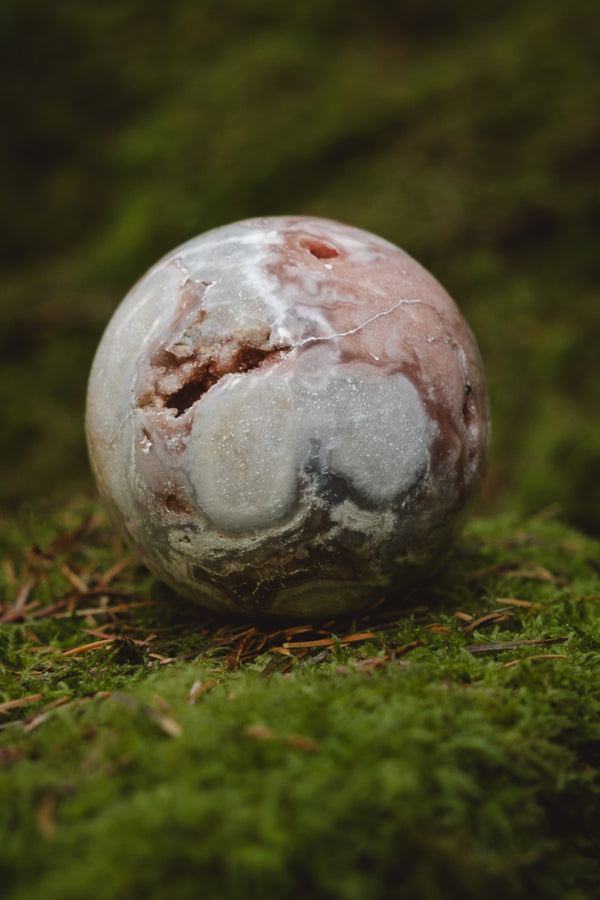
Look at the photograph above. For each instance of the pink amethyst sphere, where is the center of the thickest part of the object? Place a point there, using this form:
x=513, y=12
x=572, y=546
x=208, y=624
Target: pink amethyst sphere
x=288, y=416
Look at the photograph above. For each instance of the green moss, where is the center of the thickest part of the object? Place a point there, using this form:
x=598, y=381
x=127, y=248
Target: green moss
x=435, y=758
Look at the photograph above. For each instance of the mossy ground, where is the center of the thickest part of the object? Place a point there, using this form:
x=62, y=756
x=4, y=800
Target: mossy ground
x=148, y=748
x=446, y=747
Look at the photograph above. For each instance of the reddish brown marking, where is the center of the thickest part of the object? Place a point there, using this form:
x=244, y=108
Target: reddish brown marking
x=165, y=359
x=245, y=359
x=319, y=248
x=191, y=391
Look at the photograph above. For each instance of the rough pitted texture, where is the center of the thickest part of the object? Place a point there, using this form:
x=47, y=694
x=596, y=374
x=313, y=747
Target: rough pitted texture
x=288, y=416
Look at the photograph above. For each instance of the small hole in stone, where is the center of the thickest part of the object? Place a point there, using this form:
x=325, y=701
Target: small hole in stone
x=198, y=574
x=320, y=249
x=467, y=409
x=174, y=505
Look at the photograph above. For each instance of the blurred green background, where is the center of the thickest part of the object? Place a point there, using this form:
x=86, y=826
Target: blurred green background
x=468, y=133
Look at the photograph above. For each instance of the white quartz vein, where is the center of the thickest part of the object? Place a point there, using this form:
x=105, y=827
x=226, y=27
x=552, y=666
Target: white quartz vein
x=357, y=328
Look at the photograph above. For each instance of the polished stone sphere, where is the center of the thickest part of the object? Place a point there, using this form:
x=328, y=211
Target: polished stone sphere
x=288, y=416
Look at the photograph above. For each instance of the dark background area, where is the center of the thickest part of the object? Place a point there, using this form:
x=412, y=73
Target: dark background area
x=466, y=133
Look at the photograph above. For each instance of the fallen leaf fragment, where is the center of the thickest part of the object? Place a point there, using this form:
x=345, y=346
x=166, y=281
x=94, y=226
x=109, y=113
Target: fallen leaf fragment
x=376, y=662
x=45, y=816
x=20, y=609
x=117, y=568
x=86, y=648
x=496, y=569
x=406, y=648
x=200, y=687
x=32, y=723
x=9, y=571
x=32, y=637
x=293, y=645
x=264, y=733
x=364, y=665
x=301, y=742
x=71, y=576
x=539, y=573
x=488, y=619
x=54, y=704
x=100, y=633
x=500, y=646
x=519, y=568
x=109, y=610
x=166, y=723
x=536, y=656
x=328, y=642
x=260, y=732
x=164, y=704
x=169, y=725
x=23, y=594
x=22, y=701
x=464, y=616
x=297, y=629
x=526, y=604
x=361, y=636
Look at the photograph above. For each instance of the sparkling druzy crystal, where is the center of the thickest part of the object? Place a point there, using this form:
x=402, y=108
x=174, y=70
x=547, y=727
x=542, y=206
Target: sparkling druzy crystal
x=288, y=416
